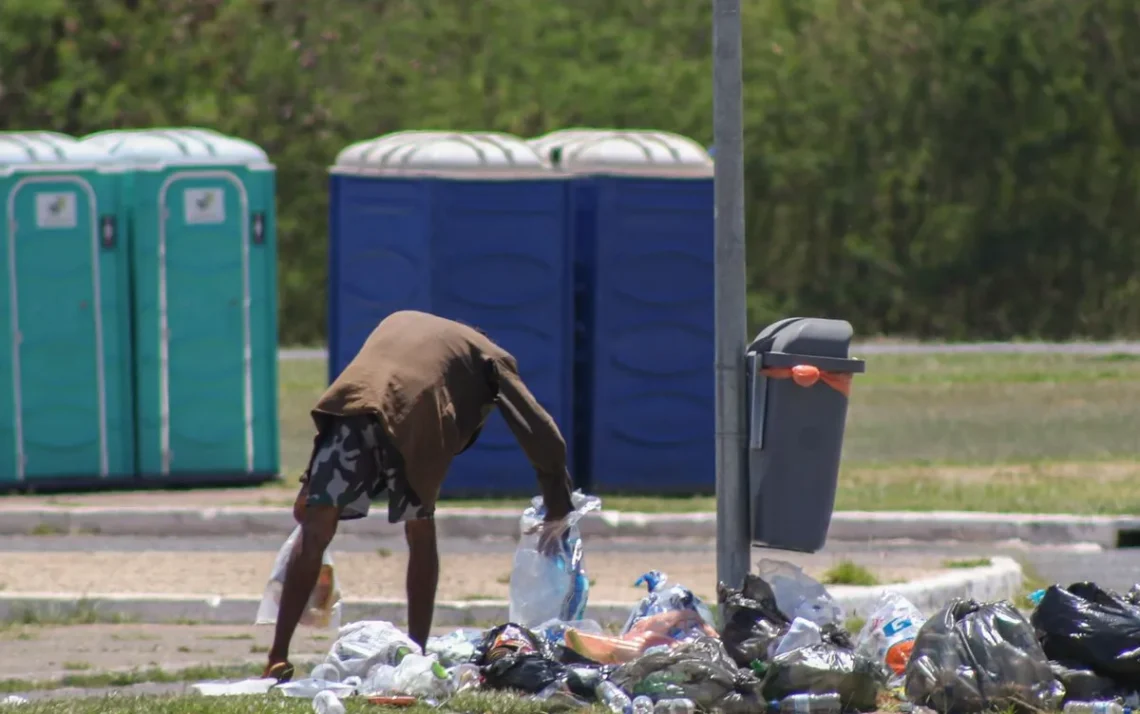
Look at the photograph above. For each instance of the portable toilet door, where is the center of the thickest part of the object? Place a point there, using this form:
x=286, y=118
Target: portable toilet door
x=205, y=304
x=65, y=389
x=471, y=227
x=643, y=206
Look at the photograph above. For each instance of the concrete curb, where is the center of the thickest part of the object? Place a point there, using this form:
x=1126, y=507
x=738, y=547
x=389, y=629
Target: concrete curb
x=998, y=581
x=1051, y=529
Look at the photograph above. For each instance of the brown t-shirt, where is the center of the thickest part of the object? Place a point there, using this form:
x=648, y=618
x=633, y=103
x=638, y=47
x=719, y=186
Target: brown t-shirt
x=432, y=382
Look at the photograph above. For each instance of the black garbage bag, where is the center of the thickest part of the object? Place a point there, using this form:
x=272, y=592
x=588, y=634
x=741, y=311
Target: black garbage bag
x=698, y=669
x=1082, y=684
x=512, y=657
x=1091, y=627
x=751, y=620
x=971, y=657
x=823, y=669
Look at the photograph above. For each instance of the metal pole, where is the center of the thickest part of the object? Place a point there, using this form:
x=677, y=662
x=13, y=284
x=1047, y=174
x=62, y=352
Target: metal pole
x=733, y=531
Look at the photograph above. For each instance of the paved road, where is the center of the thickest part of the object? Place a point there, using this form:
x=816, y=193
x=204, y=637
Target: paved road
x=1117, y=569
x=883, y=348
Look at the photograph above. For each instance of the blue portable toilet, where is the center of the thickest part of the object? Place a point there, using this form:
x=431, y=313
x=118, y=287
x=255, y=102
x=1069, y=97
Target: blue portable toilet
x=468, y=226
x=65, y=366
x=643, y=240
x=203, y=225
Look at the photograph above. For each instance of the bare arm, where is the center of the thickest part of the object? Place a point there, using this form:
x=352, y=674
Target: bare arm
x=538, y=436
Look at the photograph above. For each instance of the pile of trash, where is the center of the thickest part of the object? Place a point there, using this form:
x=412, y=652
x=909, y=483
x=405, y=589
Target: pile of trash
x=780, y=645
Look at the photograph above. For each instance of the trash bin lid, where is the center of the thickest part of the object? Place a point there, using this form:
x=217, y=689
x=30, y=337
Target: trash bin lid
x=445, y=154
x=636, y=152
x=821, y=342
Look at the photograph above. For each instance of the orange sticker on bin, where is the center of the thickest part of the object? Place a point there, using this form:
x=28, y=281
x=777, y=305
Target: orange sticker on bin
x=806, y=375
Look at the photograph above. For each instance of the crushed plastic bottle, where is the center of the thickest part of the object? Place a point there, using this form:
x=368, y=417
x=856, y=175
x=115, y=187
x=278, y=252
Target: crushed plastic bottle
x=1105, y=707
x=465, y=676
x=642, y=705
x=675, y=706
x=613, y=698
x=811, y=704
x=325, y=672
x=380, y=680
x=422, y=676
x=327, y=703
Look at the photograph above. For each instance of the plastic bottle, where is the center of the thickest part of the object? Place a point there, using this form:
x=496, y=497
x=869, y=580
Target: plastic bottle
x=811, y=704
x=465, y=676
x=1105, y=707
x=642, y=705
x=327, y=703
x=675, y=706
x=325, y=672
x=613, y=698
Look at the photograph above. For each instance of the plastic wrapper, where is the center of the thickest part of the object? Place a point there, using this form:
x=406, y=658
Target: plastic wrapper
x=752, y=625
x=552, y=587
x=798, y=594
x=1092, y=627
x=1082, y=684
x=972, y=657
x=700, y=670
x=513, y=657
x=889, y=633
x=661, y=628
x=363, y=645
x=324, y=606
x=663, y=597
x=824, y=669
x=227, y=689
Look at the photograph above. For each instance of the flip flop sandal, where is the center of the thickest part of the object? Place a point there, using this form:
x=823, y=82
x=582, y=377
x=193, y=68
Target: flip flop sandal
x=282, y=672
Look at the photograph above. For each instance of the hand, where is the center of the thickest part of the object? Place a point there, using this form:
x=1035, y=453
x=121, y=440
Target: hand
x=550, y=536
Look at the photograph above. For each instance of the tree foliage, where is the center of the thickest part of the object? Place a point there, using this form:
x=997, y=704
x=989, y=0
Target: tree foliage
x=960, y=168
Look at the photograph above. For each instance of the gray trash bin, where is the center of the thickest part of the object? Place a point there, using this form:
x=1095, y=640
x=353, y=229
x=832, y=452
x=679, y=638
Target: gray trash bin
x=799, y=376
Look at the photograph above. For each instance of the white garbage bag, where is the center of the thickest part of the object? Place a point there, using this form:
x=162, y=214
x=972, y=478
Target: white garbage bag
x=362, y=645
x=323, y=609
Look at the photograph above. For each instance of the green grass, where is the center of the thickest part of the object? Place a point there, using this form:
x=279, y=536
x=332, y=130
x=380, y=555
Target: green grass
x=96, y=680
x=846, y=572
x=966, y=563
x=466, y=703
x=970, y=432
x=83, y=613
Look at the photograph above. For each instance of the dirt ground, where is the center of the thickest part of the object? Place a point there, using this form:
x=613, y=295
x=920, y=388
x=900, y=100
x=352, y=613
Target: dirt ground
x=37, y=653
x=464, y=576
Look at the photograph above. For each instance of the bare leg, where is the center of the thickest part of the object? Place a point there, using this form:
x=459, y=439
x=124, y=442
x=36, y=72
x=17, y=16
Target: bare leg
x=318, y=527
x=423, y=577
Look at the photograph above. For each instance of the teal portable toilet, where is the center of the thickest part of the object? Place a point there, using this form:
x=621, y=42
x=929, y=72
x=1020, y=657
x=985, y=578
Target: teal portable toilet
x=65, y=360
x=203, y=235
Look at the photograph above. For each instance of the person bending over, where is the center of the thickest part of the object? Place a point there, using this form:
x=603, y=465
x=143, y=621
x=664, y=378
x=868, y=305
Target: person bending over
x=416, y=395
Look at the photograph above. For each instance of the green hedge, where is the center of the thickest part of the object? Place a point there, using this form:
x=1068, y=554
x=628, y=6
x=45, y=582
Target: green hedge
x=957, y=168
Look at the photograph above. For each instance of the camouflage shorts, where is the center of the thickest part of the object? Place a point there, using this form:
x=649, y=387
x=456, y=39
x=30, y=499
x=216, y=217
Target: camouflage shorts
x=353, y=465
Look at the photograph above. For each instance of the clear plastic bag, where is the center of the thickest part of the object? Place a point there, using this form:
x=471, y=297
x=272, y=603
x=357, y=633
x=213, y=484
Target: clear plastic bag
x=699, y=670
x=360, y=646
x=889, y=633
x=665, y=599
x=802, y=633
x=798, y=594
x=324, y=606
x=456, y=647
x=422, y=676
x=554, y=587
x=971, y=657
